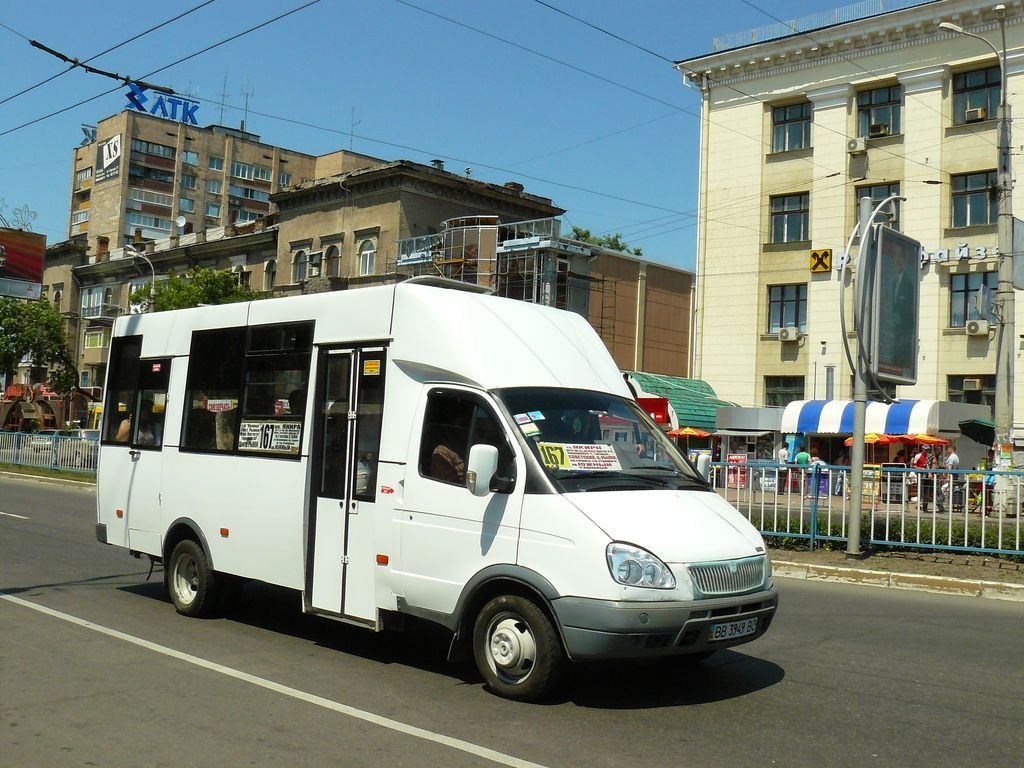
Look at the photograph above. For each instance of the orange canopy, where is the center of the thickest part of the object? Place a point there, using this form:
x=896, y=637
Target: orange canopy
x=688, y=432
x=873, y=438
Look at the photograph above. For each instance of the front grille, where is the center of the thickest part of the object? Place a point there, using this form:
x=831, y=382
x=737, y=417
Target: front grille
x=728, y=577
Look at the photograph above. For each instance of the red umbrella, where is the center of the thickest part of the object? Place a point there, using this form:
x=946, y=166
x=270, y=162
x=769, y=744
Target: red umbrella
x=923, y=439
x=688, y=432
x=873, y=438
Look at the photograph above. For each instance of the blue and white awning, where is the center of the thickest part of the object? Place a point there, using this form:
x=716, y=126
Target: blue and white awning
x=905, y=417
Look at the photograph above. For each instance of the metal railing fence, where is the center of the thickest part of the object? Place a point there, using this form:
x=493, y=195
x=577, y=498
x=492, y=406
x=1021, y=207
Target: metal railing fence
x=960, y=510
x=61, y=452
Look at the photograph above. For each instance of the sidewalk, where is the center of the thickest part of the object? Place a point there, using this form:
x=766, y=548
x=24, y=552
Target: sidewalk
x=941, y=572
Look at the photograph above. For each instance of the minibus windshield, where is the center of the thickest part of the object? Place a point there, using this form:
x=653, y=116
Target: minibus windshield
x=594, y=441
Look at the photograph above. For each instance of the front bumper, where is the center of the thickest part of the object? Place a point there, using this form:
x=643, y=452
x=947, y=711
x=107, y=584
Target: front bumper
x=608, y=629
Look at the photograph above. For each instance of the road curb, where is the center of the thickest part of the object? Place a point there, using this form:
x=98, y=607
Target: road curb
x=50, y=480
x=994, y=590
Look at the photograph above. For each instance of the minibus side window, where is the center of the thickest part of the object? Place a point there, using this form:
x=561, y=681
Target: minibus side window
x=213, y=390
x=122, y=386
x=246, y=389
x=455, y=421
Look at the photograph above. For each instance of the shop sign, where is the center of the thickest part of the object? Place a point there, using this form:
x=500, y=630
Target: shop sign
x=169, y=107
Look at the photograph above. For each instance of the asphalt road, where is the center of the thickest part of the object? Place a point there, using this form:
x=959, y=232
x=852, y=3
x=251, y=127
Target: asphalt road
x=96, y=668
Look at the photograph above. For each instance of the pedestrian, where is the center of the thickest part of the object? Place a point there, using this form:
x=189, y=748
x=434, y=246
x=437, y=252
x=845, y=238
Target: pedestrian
x=952, y=463
x=783, y=453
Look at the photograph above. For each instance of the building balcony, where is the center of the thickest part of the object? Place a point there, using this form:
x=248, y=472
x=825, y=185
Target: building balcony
x=102, y=312
x=96, y=355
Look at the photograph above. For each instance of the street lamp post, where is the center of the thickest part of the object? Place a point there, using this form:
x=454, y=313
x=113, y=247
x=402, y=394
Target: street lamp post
x=152, y=285
x=1004, y=241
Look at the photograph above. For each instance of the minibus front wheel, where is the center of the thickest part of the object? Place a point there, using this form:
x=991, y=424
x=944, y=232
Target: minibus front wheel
x=517, y=649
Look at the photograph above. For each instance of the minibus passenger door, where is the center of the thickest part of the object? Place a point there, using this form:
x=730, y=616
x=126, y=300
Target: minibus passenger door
x=129, y=474
x=340, y=557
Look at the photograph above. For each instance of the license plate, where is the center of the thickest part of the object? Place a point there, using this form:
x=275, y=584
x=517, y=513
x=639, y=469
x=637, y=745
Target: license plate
x=732, y=629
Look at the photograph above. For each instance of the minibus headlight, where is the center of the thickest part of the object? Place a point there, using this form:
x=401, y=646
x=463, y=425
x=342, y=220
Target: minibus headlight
x=636, y=567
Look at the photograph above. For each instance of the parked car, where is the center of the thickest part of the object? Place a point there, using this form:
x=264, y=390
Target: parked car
x=80, y=447
x=42, y=440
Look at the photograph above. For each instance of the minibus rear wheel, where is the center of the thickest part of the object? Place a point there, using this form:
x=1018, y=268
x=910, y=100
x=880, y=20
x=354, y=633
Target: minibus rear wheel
x=517, y=649
x=194, y=586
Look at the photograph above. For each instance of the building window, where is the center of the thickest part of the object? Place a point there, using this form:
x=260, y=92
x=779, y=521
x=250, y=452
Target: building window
x=186, y=205
x=149, y=222
x=188, y=181
x=878, y=193
x=332, y=262
x=83, y=175
x=974, y=91
x=213, y=210
x=79, y=217
x=245, y=214
x=367, y=257
x=878, y=112
x=791, y=127
x=269, y=275
x=790, y=216
x=971, y=389
x=213, y=186
x=284, y=179
x=146, y=196
x=97, y=339
x=299, y=263
x=248, y=193
x=151, y=174
x=782, y=390
x=787, y=307
x=149, y=148
x=971, y=297
x=216, y=163
x=189, y=158
x=247, y=171
x=975, y=201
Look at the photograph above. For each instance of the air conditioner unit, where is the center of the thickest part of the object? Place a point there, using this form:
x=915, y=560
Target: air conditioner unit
x=857, y=146
x=975, y=115
x=972, y=385
x=314, y=270
x=977, y=328
x=789, y=333
x=878, y=130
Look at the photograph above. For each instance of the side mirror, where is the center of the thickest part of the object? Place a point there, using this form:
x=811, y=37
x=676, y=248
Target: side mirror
x=704, y=466
x=480, y=469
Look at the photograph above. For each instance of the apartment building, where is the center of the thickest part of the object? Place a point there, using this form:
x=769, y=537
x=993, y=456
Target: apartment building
x=164, y=177
x=801, y=120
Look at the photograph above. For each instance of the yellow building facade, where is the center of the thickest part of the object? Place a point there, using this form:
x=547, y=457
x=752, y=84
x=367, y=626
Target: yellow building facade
x=794, y=130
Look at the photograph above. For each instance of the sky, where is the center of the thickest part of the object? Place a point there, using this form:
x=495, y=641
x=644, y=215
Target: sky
x=575, y=99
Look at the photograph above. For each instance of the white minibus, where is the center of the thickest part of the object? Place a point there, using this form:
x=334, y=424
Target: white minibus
x=422, y=450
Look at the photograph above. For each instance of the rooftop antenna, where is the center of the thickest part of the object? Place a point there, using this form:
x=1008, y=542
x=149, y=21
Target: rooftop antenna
x=352, y=130
x=223, y=98
x=247, y=93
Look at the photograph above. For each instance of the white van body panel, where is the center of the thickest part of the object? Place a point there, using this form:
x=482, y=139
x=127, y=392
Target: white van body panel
x=677, y=526
x=422, y=546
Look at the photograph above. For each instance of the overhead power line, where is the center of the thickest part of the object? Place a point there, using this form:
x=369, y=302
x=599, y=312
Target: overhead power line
x=112, y=48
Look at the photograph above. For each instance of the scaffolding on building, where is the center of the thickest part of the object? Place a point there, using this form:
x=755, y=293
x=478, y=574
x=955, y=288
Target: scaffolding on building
x=523, y=260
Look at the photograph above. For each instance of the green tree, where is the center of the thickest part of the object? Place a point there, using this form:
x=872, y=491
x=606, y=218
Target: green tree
x=196, y=287
x=615, y=242
x=35, y=330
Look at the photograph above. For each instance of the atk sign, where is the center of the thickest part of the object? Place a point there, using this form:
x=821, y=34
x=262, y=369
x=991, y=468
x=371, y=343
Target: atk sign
x=169, y=107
